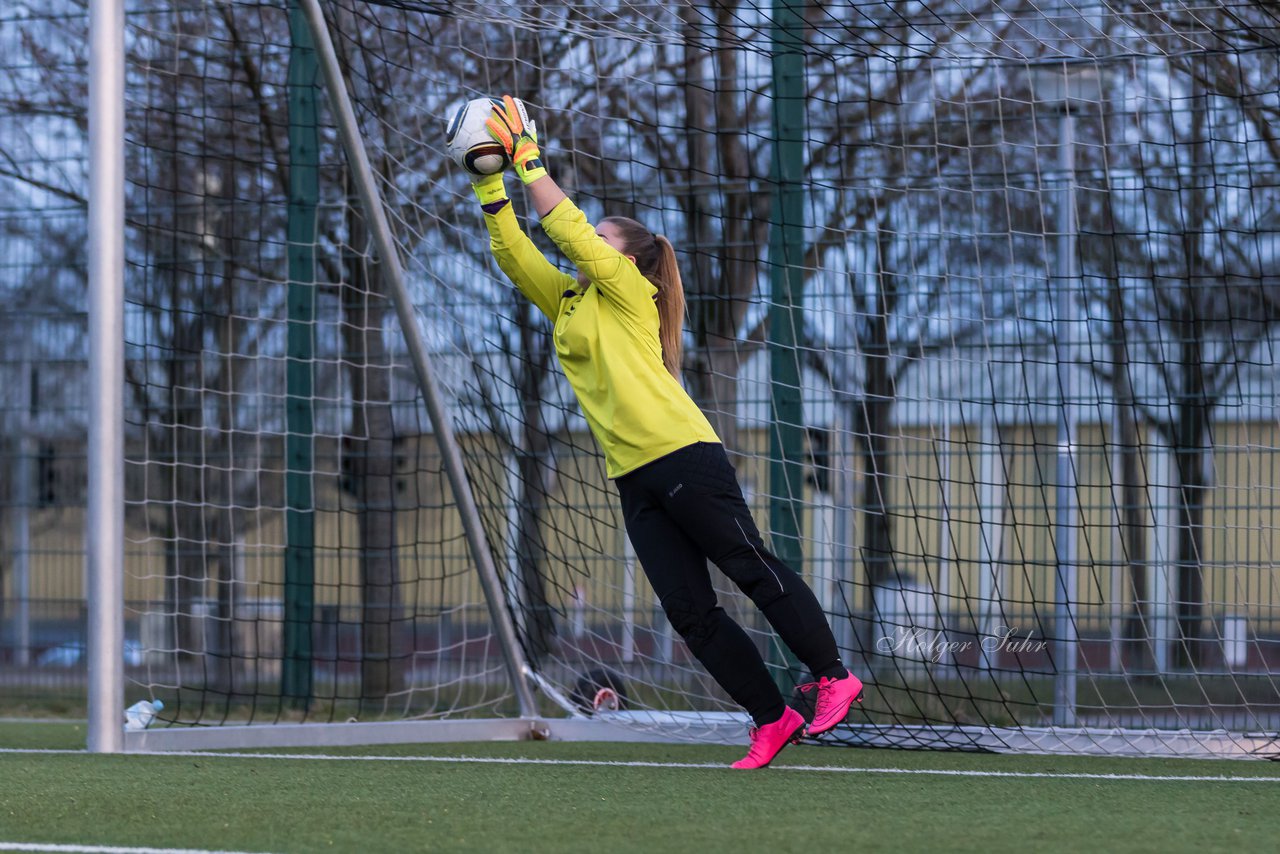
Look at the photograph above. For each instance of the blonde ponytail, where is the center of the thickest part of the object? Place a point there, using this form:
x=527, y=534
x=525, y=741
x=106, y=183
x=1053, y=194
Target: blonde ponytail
x=670, y=307
x=656, y=260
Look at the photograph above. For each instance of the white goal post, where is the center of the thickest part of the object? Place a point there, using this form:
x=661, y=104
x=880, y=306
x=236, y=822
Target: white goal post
x=104, y=532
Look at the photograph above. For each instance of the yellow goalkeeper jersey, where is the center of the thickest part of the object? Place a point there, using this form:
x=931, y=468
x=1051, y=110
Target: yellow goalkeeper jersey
x=606, y=336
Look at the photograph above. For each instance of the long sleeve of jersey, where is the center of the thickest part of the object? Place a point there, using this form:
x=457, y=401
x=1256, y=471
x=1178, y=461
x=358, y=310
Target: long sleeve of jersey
x=530, y=271
x=617, y=277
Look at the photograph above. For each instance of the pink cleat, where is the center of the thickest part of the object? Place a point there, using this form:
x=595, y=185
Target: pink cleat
x=767, y=741
x=835, y=696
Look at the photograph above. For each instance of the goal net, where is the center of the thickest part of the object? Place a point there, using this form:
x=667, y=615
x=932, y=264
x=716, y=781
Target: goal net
x=981, y=301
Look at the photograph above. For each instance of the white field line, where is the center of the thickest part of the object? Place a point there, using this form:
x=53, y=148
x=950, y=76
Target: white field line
x=105, y=849
x=825, y=769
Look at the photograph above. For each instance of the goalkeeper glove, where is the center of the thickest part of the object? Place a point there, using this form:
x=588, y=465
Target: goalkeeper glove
x=489, y=188
x=511, y=126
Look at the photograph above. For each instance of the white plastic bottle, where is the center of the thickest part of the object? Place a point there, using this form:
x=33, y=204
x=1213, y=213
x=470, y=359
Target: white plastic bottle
x=141, y=714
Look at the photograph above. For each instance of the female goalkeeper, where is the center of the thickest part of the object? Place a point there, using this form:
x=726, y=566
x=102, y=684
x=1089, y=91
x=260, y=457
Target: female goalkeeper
x=618, y=336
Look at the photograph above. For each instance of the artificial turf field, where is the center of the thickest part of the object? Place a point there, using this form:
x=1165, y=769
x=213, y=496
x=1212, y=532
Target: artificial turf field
x=557, y=796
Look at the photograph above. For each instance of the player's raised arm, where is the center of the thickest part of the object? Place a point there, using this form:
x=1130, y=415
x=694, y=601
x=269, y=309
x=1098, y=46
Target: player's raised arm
x=614, y=272
x=485, y=161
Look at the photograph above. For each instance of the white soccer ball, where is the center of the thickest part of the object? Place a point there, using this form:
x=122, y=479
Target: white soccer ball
x=468, y=141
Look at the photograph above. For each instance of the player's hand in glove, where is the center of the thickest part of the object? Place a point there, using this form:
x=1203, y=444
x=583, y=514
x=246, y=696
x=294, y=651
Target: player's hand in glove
x=511, y=126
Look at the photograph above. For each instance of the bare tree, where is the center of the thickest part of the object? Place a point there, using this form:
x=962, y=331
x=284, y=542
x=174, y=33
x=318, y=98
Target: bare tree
x=1187, y=294
x=890, y=143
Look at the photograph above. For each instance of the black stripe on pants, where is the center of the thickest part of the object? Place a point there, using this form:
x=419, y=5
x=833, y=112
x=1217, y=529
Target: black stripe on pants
x=687, y=508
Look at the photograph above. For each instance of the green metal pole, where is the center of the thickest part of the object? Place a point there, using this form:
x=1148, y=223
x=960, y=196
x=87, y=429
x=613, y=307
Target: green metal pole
x=786, y=249
x=304, y=196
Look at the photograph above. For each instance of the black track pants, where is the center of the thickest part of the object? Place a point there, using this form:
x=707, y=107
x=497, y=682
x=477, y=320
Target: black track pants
x=687, y=508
